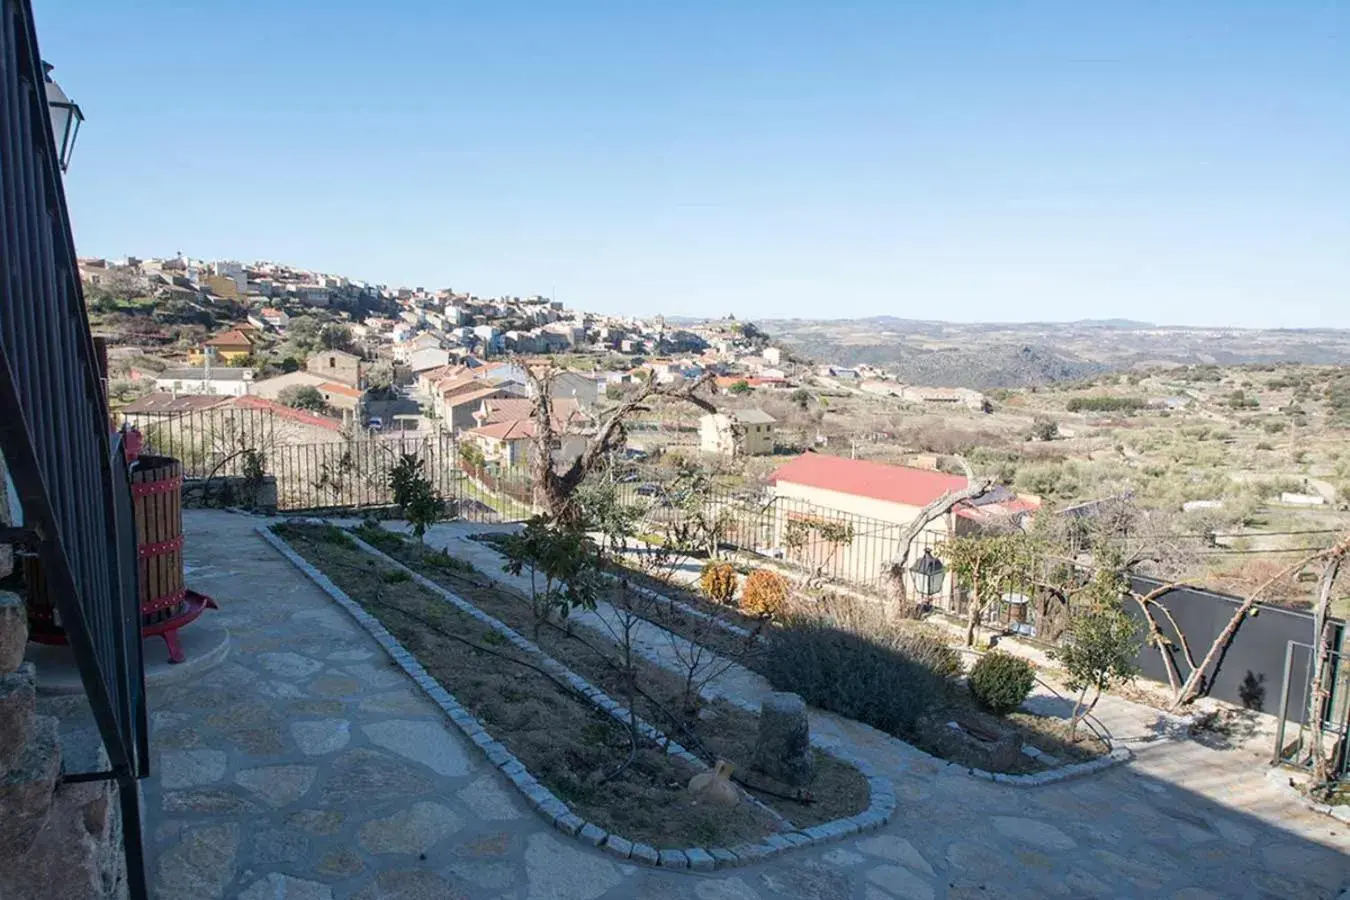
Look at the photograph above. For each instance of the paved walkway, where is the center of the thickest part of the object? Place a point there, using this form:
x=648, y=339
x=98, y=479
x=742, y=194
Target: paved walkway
x=307, y=767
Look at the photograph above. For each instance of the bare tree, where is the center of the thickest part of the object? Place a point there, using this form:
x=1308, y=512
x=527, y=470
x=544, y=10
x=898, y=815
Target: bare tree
x=1323, y=635
x=974, y=489
x=1200, y=672
x=554, y=487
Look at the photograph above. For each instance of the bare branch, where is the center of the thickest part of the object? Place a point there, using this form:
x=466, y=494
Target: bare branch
x=1192, y=688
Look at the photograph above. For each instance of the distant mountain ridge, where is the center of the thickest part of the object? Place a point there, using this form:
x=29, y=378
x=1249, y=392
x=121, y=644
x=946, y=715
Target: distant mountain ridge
x=1000, y=354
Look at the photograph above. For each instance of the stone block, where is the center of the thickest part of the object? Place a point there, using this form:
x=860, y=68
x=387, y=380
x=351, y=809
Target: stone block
x=6, y=560
x=18, y=704
x=78, y=848
x=13, y=631
x=620, y=847
x=644, y=853
x=724, y=857
x=570, y=823
x=26, y=790
x=783, y=747
x=673, y=859
x=700, y=860
x=592, y=834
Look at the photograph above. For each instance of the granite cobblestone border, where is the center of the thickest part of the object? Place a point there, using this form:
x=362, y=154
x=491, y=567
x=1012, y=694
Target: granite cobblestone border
x=881, y=803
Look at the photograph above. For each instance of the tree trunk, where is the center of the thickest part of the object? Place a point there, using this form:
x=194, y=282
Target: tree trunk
x=1159, y=640
x=973, y=612
x=1078, y=713
x=1317, y=691
x=1192, y=688
x=935, y=510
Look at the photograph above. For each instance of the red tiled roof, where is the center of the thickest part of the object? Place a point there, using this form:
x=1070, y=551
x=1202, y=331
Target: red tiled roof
x=303, y=416
x=233, y=338
x=454, y=398
x=864, y=478
x=333, y=387
x=506, y=431
x=507, y=409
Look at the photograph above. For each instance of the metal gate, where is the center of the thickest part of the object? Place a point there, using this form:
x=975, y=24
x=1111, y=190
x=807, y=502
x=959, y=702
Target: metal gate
x=69, y=474
x=1293, y=734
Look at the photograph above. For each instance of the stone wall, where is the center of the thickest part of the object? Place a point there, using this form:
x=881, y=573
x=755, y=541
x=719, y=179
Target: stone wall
x=55, y=839
x=231, y=491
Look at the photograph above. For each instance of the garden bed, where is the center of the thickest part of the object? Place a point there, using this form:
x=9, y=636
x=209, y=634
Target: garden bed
x=560, y=736
x=982, y=741
x=900, y=677
x=716, y=729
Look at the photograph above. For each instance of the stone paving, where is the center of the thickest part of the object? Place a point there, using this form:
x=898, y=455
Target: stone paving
x=307, y=767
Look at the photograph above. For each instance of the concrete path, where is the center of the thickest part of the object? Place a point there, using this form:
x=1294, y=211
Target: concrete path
x=306, y=766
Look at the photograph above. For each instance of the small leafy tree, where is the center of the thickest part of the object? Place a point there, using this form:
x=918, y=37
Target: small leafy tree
x=1043, y=429
x=988, y=566
x=801, y=398
x=415, y=494
x=564, y=557
x=335, y=337
x=472, y=457
x=303, y=396
x=1100, y=646
x=739, y=387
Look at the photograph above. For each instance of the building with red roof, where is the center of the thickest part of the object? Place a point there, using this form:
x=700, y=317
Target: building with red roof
x=879, y=500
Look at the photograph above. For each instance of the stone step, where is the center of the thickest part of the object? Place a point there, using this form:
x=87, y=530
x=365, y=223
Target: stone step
x=13, y=631
x=18, y=714
x=26, y=790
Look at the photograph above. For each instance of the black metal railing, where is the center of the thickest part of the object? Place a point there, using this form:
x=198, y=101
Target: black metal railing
x=209, y=442
x=54, y=428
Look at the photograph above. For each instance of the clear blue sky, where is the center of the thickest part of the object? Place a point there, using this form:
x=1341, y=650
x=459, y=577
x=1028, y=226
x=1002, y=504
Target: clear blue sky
x=972, y=161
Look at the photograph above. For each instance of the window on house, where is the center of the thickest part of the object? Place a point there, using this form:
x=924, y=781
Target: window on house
x=332, y=362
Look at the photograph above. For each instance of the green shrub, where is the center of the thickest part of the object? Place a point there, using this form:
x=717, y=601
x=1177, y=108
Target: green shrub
x=1001, y=681
x=851, y=675
x=1106, y=404
x=718, y=580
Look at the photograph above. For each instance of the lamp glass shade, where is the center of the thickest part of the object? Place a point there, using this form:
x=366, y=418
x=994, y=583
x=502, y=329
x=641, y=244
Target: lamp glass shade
x=66, y=118
x=928, y=574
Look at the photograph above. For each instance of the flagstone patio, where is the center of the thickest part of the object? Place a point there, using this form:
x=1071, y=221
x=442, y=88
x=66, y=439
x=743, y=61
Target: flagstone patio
x=307, y=767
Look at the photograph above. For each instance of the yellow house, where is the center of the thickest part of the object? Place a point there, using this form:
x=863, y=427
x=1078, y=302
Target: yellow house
x=229, y=347
x=222, y=286
x=746, y=432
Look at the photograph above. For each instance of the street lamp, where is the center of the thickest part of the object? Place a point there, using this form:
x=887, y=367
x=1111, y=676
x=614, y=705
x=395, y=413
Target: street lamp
x=928, y=574
x=66, y=118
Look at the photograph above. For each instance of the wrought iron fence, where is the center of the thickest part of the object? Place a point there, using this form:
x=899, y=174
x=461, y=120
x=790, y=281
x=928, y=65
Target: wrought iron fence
x=355, y=476
x=833, y=547
x=54, y=429
x=209, y=442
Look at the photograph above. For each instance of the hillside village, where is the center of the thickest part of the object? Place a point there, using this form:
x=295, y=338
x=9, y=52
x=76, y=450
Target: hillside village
x=1226, y=455
x=370, y=356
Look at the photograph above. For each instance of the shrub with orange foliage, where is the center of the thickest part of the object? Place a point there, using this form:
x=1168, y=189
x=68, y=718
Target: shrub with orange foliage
x=765, y=594
x=718, y=580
